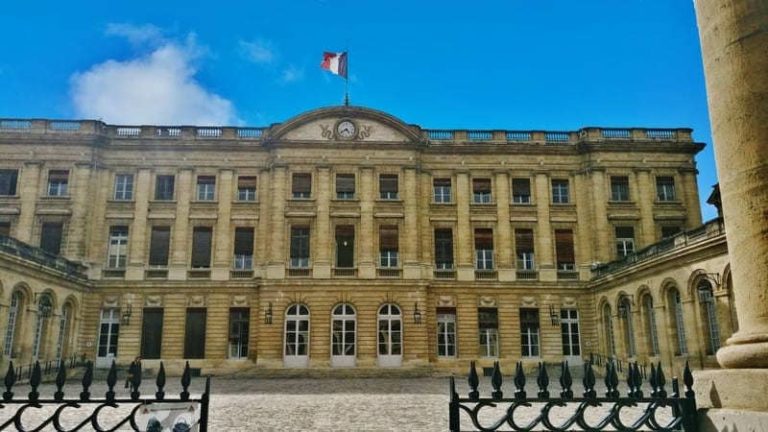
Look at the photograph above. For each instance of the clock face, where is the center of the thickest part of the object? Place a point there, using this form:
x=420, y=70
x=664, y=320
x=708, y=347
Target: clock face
x=346, y=129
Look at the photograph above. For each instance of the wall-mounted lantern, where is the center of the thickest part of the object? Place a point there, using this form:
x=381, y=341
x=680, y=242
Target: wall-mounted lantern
x=125, y=317
x=268, y=314
x=416, y=313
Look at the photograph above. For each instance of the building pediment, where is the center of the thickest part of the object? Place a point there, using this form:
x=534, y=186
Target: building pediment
x=344, y=123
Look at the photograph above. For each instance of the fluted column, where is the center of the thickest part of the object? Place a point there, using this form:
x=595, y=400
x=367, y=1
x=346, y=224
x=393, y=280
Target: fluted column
x=464, y=235
x=543, y=250
x=645, y=200
x=321, y=250
x=138, y=230
x=276, y=265
x=223, y=246
x=503, y=239
x=365, y=263
x=409, y=237
x=180, y=243
x=29, y=191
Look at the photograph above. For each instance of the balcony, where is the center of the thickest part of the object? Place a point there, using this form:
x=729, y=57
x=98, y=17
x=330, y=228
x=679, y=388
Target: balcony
x=486, y=275
x=199, y=273
x=389, y=272
x=11, y=246
x=156, y=273
x=345, y=272
x=527, y=275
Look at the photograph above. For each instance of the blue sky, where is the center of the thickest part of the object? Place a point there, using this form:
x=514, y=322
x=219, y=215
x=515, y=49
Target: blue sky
x=510, y=64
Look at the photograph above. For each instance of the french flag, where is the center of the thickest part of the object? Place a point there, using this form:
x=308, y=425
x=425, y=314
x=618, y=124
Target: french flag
x=335, y=63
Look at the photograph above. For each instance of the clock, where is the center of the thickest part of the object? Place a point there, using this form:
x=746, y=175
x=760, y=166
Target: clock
x=346, y=129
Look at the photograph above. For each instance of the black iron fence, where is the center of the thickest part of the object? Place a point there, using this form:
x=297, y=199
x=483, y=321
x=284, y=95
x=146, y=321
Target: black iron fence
x=656, y=410
x=622, y=365
x=138, y=412
x=48, y=367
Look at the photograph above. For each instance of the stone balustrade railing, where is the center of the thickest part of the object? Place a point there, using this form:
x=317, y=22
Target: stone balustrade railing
x=11, y=246
x=436, y=136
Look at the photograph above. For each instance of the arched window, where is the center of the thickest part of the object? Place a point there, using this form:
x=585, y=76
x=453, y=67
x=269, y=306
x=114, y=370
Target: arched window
x=62, y=343
x=296, y=350
x=390, y=335
x=731, y=302
x=44, y=310
x=625, y=313
x=14, y=315
x=650, y=325
x=343, y=335
x=708, y=314
x=675, y=307
x=610, y=346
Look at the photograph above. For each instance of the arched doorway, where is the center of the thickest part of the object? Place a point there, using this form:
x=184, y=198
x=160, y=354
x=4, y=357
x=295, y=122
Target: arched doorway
x=296, y=348
x=343, y=336
x=390, y=325
x=44, y=311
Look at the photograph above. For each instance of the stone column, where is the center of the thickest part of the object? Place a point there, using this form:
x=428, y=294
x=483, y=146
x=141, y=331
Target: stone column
x=276, y=264
x=691, y=197
x=645, y=200
x=321, y=250
x=600, y=223
x=583, y=235
x=262, y=234
x=409, y=236
x=223, y=245
x=544, y=245
x=503, y=246
x=423, y=241
x=81, y=195
x=98, y=233
x=138, y=230
x=464, y=235
x=29, y=191
x=365, y=264
x=179, y=236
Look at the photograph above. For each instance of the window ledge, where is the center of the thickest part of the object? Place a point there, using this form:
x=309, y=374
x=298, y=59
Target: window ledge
x=294, y=199
x=119, y=201
x=245, y=201
x=343, y=200
x=156, y=201
x=56, y=197
x=205, y=201
x=667, y=202
x=389, y=200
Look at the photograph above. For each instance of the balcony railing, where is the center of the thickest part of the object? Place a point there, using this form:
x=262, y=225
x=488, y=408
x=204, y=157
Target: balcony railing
x=24, y=251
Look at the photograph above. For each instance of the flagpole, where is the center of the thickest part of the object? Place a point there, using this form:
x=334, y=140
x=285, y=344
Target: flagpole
x=346, y=79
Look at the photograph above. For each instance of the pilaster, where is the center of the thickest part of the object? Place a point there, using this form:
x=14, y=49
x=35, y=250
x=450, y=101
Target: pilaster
x=365, y=264
x=544, y=244
x=180, y=234
x=602, y=231
x=29, y=190
x=276, y=265
x=645, y=200
x=465, y=263
x=81, y=193
x=321, y=251
x=223, y=246
x=410, y=238
x=503, y=240
x=138, y=230
x=583, y=239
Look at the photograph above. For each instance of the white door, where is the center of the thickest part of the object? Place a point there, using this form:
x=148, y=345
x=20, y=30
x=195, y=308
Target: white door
x=109, y=330
x=296, y=349
x=343, y=336
x=569, y=329
x=390, y=336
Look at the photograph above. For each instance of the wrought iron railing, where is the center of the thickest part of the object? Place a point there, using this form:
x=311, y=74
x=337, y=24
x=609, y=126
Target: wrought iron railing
x=137, y=408
x=48, y=367
x=576, y=413
x=22, y=250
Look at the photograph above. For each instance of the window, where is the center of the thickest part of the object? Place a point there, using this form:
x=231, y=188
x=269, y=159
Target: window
x=5, y=228
x=301, y=185
x=299, y=247
x=345, y=186
x=625, y=241
x=62, y=341
x=109, y=333
x=524, y=249
x=446, y=332
x=676, y=308
x=123, y=187
x=521, y=191
x=665, y=188
x=152, y=333
x=709, y=316
x=40, y=342
x=246, y=188
x=625, y=313
x=444, y=249
x=388, y=246
x=118, y=247
x=481, y=191
x=58, y=182
x=390, y=331
x=8, y=180
x=483, y=249
x=201, y=247
x=670, y=231
x=560, y=192
x=159, y=243
x=194, y=333
x=164, y=186
x=442, y=190
x=243, y=248
x=388, y=189
x=650, y=323
x=206, y=188
x=14, y=310
x=488, y=322
x=610, y=344
x=343, y=332
x=239, y=322
x=566, y=261
x=345, y=246
x=297, y=331
x=50, y=237
x=569, y=331
x=620, y=188
x=529, y=332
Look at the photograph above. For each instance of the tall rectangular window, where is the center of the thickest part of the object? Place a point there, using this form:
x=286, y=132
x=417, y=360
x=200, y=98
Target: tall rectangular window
x=529, y=332
x=564, y=247
x=194, y=333
x=58, y=183
x=444, y=249
x=239, y=322
x=206, y=188
x=521, y=191
x=481, y=191
x=5, y=228
x=152, y=333
x=118, y=247
x=51, y=236
x=665, y=188
x=123, y=187
x=442, y=190
x=345, y=246
x=8, y=181
x=345, y=186
x=299, y=247
x=159, y=242
x=619, y=188
x=201, y=247
x=488, y=322
x=301, y=185
x=164, y=186
x=524, y=249
x=560, y=193
x=446, y=332
x=483, y=249
x=246, y=188
x=625, y=241
x=243, y=248
x=388, y=246
x=388, y=188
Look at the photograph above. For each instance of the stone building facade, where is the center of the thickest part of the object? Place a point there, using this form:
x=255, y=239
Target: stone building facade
x=343, y=237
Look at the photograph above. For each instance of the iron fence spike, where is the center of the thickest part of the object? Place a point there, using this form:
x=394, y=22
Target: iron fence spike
x=61, y=378
x=160, y=381
x=87, y=379
x=186, y=379
x=496, y=381
x=473, y=381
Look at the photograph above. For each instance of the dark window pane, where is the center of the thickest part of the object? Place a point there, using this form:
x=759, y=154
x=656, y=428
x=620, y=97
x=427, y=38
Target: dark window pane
x=201, y=247
x=5, y=228
x=164, y=186
x=152, y=333
x=50, y=237
x=388, y=237
x=444, y=248
x=345, y=246
x=488, y=318
x=8, y=181
x=244, y=241
x=158, y=246
x=564, y=246
x=194, y=334
x=302, y=185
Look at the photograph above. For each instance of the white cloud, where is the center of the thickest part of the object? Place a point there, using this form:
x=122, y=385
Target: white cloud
x=291, y=74
x=136, y=35
x=158, y=87
x=258, y=51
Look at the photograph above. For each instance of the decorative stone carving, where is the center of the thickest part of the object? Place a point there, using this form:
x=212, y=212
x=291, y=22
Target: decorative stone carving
x=196, y=301
x=528, y=301
x=239, y=300
x=111, y=301
x=486, y=301
x=446, y=301
x=569, y=302
x=153, y=300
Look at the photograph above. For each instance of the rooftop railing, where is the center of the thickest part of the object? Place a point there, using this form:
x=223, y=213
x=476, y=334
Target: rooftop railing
x=27, y=252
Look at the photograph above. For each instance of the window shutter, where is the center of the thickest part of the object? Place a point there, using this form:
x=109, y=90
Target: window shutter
x=345, y=231
x=625, y=232
x=206, y=180
x=299, y=242
x=302, y=182
x=524, y=240
x=483, y=238
x=488, y=318
x=388, y=183
x=50, y=237
x=443, y=246
x=481, y=185
x=244, y=241
x=158, y=249
x=564, y=246
x=58, y=175
x=201, y=247
x=388, y=237
x=442, y=182
x=521, y=186
x=246, y=182
x=345, y=183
